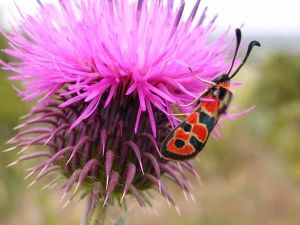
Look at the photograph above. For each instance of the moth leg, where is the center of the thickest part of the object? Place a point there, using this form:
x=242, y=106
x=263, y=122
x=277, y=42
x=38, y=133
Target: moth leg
x=178, y=114
x=197, y=99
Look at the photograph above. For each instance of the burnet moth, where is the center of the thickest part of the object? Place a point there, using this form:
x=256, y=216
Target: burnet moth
x=188, y=139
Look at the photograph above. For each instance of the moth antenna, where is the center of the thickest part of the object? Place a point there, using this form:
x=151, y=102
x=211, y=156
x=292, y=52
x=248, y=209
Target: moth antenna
x=238, y=35
x=250, y=47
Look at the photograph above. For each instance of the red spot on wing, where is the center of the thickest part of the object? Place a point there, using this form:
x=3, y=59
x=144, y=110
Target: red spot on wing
x=181, y=134
x=185, y=150
x=200, y=132
x=193, y=118
x=210, y=107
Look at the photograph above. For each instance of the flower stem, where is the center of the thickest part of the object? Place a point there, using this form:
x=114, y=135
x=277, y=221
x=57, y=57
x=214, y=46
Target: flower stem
x=121, y=220
x=99, y=216
x=95, y=213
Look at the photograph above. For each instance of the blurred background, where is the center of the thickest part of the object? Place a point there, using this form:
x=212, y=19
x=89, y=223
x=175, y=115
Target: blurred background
x=250, y=176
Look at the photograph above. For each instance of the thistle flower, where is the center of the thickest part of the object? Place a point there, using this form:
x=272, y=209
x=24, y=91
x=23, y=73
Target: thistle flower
x=107, y=76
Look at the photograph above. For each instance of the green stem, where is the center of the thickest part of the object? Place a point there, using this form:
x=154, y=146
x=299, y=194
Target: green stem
x=99, y=216
x=94, y=214
x=121, y=220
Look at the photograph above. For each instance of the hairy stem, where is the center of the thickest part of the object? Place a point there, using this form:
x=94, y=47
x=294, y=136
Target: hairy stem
x=94, y=213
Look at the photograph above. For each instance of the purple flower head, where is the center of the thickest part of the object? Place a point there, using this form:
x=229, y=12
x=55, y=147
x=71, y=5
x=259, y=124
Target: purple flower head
x=107, y=75
x=93, y=48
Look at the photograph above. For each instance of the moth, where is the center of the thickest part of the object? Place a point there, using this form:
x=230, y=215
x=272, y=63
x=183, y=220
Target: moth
x=189, y=138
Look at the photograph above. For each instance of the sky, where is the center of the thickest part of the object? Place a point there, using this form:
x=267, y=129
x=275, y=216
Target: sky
x=258, y=16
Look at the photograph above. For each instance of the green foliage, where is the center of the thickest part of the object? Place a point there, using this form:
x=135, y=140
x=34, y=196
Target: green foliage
x=10, y=110
x=279, y=81
x=278, y=95
x=3, y=45
x=11, y=106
